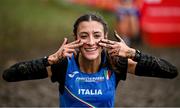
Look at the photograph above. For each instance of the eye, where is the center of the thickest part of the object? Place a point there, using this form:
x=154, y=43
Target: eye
x=84, y=36
x=97, y=36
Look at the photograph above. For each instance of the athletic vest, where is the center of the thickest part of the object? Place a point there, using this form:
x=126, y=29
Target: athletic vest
x=88, y=90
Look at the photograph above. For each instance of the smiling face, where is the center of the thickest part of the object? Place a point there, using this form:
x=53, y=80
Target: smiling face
x=90, y=33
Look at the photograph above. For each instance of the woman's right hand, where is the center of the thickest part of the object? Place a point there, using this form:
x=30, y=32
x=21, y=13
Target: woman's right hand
x=66, y=50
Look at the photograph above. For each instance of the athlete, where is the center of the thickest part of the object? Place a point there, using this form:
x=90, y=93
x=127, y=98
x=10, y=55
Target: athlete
x=88, y=69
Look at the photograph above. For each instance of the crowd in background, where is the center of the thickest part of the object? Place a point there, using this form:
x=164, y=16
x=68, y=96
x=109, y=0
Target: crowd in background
x=141, y=20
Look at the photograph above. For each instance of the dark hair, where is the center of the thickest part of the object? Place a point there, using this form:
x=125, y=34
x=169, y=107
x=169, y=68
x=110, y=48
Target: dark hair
x=111, y=61
x=90, y=17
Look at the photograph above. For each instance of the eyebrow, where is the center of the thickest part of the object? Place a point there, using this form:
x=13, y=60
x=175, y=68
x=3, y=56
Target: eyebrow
x=96, y=32
x=83, y=33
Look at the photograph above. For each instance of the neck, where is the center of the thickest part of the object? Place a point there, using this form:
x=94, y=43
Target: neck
x=89, y=66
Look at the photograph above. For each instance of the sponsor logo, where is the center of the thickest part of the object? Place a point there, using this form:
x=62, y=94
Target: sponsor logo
x=73, y=74
x=90, y=92
x=90, y=79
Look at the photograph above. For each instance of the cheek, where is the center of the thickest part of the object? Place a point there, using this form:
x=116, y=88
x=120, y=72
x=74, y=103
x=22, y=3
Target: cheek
x=98, y=40
x=84, y=45
x=83, y=41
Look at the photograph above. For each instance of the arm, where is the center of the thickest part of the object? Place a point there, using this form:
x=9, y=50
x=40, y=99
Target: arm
x=28, y=70
x=39, y=68
x=151, y=66
x=139, y=63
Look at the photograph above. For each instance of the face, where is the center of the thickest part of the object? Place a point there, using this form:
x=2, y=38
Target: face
x=90, y=33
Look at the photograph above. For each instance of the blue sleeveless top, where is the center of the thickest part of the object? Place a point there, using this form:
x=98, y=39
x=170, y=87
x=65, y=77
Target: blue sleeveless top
x=88, y=90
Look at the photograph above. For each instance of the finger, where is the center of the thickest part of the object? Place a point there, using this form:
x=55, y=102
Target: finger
x=118, y=37
x=108, y=41
x=65, y=41
x=74, y=42
x=105, y=45
x=53, y=58
x=68, y=55
x=113, y=54
x=70, y=51
x=111, y=51
x=114, y=51
x=75, y=45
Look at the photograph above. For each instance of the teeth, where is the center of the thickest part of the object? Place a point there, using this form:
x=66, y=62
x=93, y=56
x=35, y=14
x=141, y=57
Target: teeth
x=90, y=49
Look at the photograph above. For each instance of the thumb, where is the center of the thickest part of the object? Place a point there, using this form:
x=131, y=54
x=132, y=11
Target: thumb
x=53, y=58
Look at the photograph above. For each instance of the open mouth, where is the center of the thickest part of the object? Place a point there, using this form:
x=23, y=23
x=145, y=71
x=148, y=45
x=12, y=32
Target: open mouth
x=90, y=49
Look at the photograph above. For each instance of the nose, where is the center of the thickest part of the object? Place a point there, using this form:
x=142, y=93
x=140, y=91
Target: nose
x=91, y=41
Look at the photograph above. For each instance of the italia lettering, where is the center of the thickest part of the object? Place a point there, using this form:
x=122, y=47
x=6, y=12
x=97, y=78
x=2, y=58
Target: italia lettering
x=90, y=92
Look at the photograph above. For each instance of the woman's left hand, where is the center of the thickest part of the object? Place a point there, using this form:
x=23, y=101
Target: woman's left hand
x=115, y=48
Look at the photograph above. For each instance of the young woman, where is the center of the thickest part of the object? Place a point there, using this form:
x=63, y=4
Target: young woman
x=89, y=68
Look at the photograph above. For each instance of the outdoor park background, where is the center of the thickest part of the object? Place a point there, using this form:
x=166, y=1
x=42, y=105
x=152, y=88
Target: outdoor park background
x=31, y=29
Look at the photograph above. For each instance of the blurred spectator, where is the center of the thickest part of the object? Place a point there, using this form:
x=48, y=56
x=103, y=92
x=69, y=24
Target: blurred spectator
x=128, y=21
x=108, y=5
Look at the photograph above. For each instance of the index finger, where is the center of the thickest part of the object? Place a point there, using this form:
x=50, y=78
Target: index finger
x=108, y=41
x=75, y=45
x=118, y=37
x=74, y=42
x=65, y=41
x=106, y=45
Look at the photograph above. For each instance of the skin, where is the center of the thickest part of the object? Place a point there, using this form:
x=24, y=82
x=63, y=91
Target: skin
x=90, y=33
x=90, y=40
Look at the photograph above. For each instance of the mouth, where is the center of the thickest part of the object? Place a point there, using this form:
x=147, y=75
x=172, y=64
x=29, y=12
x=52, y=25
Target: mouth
x=90, y=49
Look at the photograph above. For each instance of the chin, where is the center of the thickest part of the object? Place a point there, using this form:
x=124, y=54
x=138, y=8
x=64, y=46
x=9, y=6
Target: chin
x=91, y=57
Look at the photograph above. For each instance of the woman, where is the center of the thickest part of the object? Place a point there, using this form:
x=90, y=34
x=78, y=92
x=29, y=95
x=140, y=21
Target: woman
x=89, y=68
x=127, y=23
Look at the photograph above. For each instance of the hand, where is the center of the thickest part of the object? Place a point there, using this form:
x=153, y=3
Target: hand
x=66, y=50
x=115, y=48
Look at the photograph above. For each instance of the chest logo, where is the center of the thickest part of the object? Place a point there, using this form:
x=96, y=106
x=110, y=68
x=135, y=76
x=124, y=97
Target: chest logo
x=90, y=79
x=107, y=74
x=71, y=75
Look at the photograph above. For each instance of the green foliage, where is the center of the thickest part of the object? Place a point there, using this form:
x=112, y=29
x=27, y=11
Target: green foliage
x=29, y=27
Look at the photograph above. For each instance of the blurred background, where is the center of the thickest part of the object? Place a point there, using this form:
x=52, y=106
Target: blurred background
x=31, y=29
